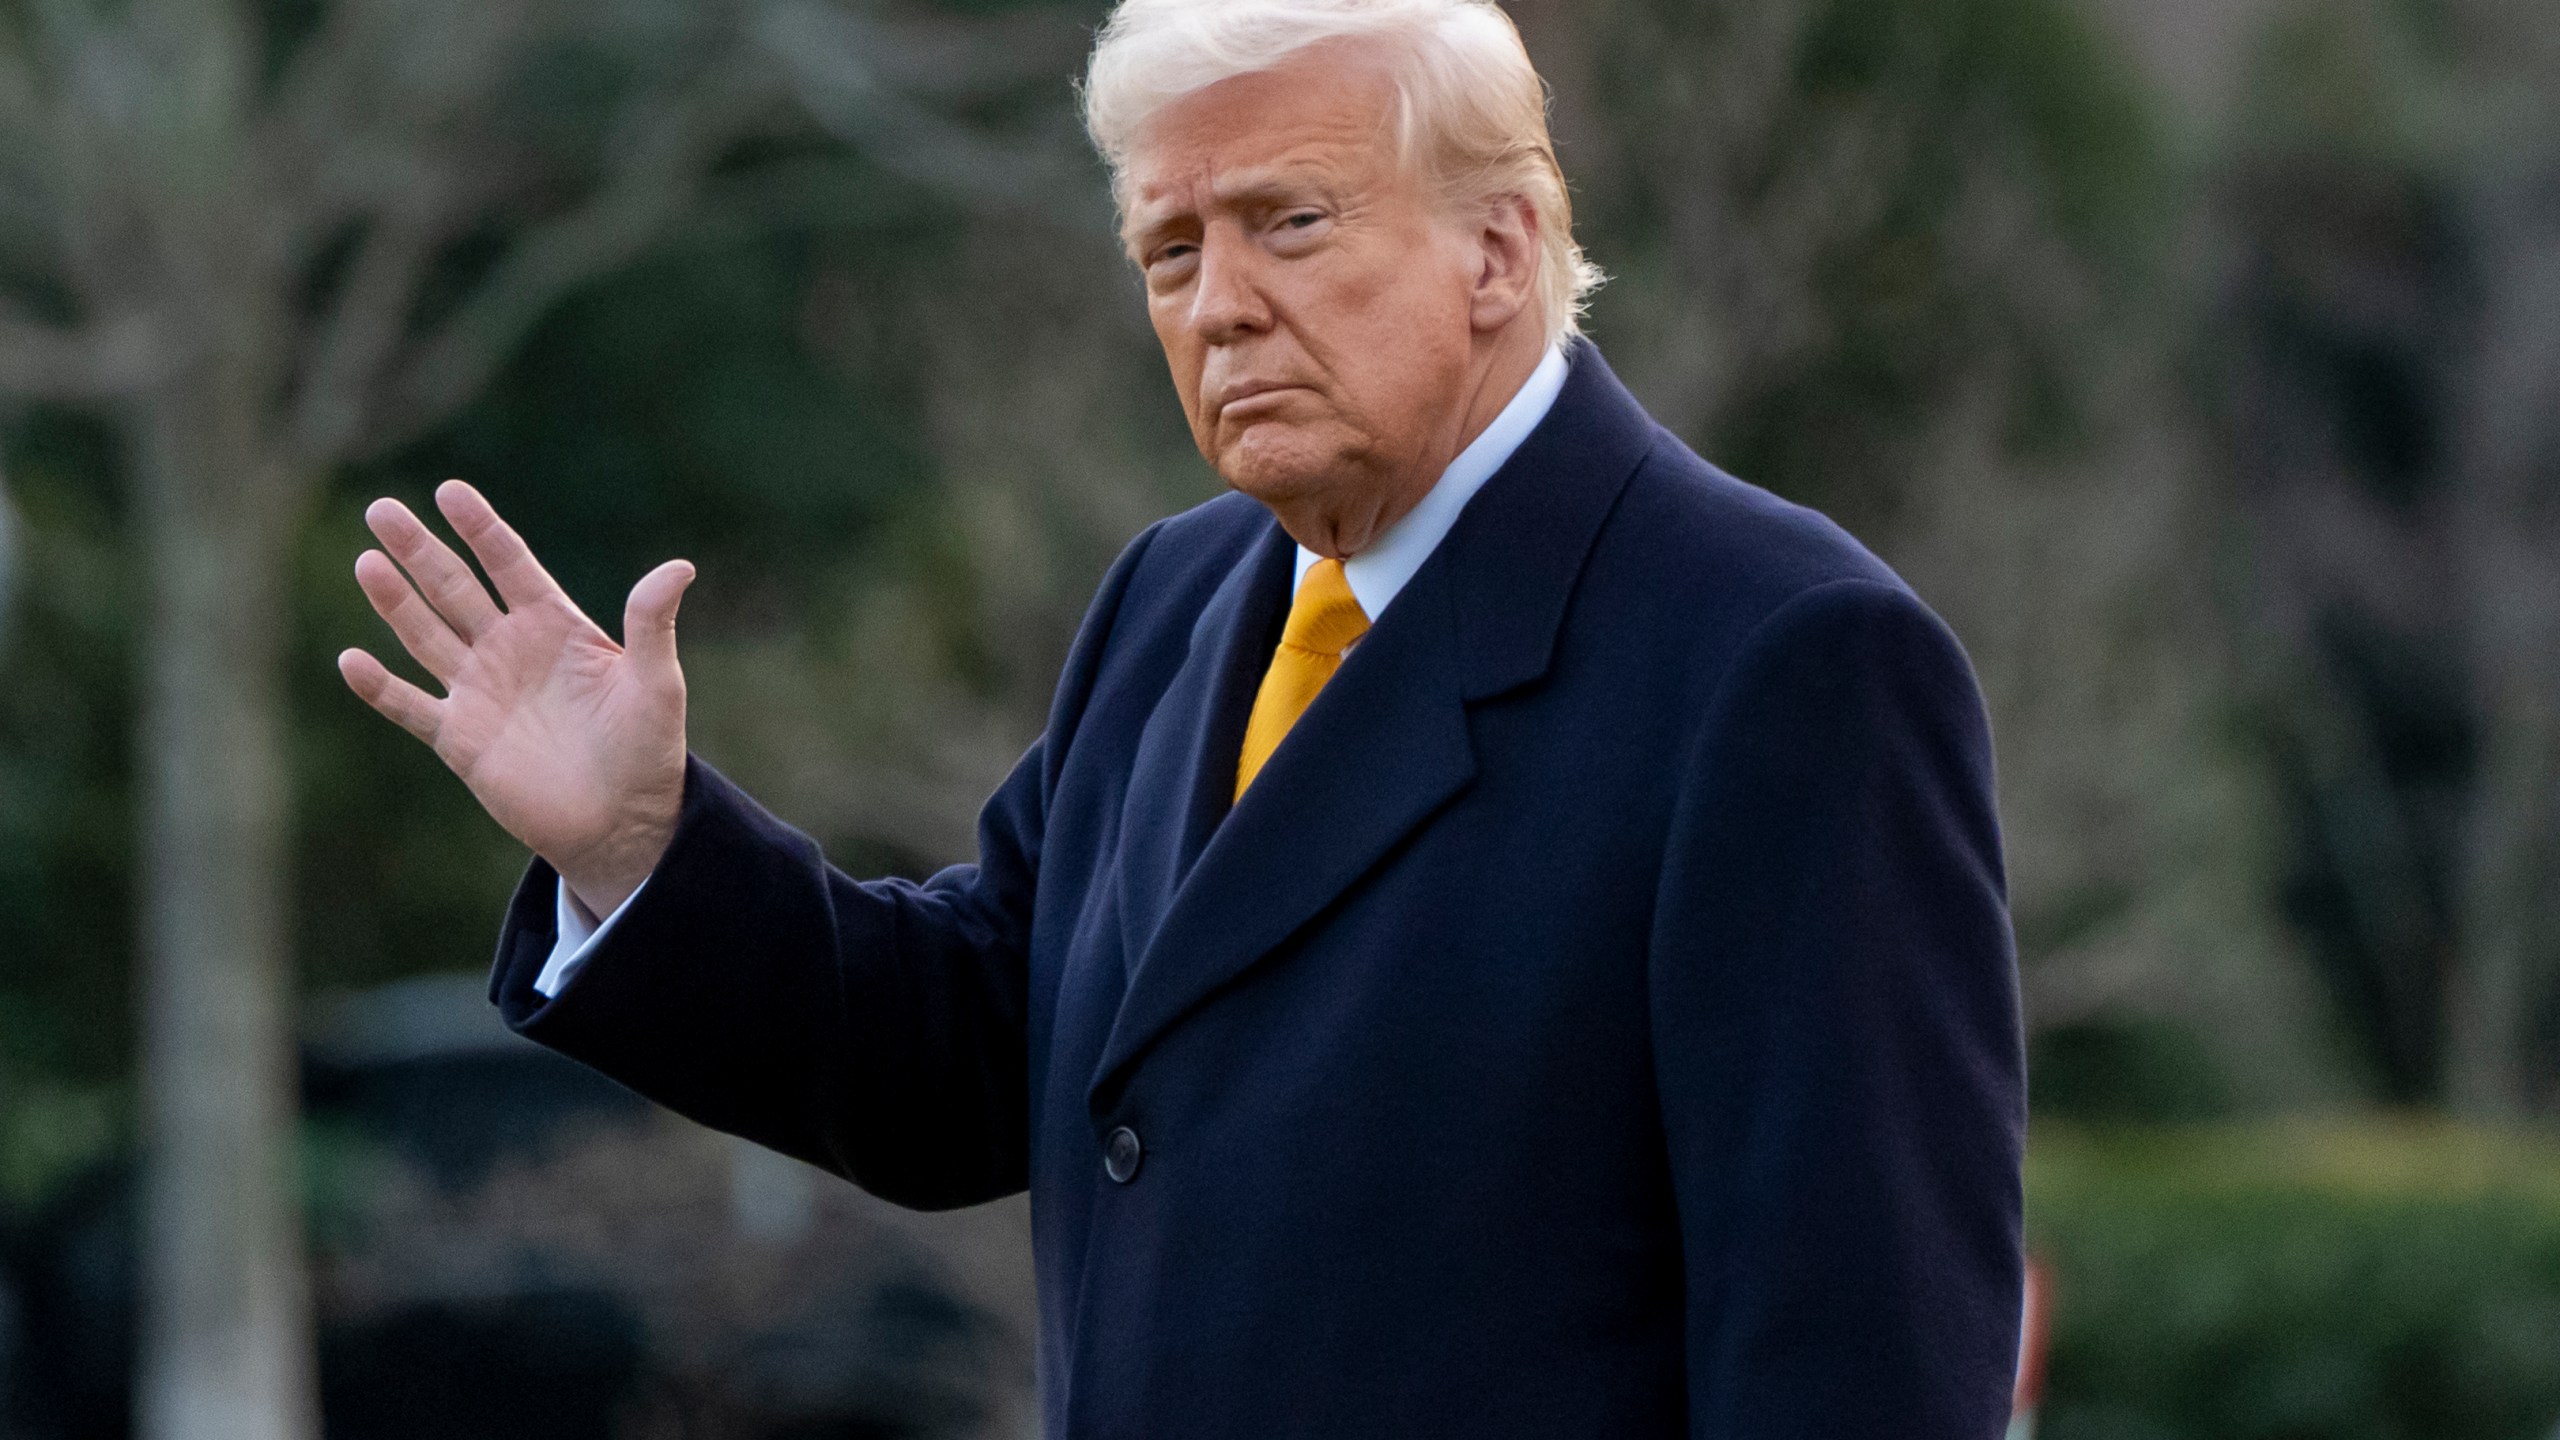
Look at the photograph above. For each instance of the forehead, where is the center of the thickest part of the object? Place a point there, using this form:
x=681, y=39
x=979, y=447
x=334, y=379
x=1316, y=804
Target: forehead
x=1325, y=116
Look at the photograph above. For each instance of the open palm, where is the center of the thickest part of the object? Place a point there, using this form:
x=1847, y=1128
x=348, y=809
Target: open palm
x=573, y=743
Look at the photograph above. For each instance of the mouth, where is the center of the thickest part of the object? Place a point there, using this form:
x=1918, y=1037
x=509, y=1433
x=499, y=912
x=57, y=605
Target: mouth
x=1244, y=393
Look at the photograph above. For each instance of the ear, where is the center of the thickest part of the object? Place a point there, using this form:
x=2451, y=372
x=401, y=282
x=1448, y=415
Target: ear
x=1507, y=263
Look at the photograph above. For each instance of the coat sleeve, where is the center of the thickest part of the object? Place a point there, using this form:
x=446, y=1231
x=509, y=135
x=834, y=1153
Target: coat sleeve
x=872, y=1028
x=1837, y=1038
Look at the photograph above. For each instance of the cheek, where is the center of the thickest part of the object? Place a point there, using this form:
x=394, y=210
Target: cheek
x=1404, y=348
x=1184, y=354
x=1402, y=318
x=1173, y=335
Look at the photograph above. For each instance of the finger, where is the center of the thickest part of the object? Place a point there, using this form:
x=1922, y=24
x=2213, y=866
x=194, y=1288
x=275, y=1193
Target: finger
x=649, y=616
x=520, y=578
x=407, y=706
x=421, y=630
x=450, y=587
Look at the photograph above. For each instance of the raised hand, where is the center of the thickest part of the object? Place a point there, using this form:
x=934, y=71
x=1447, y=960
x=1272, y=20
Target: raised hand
x=573, y=743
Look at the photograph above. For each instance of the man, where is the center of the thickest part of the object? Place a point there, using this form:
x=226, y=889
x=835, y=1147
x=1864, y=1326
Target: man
x=1503, y=933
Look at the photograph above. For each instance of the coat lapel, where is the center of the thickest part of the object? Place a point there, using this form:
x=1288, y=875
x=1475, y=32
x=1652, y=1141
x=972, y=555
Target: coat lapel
x=1184, y=771
x=1383, y=748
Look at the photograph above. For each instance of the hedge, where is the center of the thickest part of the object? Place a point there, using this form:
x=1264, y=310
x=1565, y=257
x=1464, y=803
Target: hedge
x=2306, y=1280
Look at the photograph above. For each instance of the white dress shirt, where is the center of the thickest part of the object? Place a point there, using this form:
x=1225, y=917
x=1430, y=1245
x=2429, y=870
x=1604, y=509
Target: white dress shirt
x=1376, y=575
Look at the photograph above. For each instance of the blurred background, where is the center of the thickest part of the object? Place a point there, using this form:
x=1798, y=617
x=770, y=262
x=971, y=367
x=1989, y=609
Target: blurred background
x=2199, y=360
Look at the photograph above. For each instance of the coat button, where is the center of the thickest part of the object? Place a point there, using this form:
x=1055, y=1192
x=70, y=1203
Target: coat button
x=1121, y=1153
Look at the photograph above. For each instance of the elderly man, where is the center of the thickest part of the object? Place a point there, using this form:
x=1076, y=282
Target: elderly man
x=1503, y=932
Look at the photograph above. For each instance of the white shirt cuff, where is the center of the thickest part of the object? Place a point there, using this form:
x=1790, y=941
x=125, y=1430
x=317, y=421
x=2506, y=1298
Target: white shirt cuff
x=578, y=931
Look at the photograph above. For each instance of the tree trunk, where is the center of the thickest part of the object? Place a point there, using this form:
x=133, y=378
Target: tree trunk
x=226, y=1347
x=2511, y=860
x=2507, y=533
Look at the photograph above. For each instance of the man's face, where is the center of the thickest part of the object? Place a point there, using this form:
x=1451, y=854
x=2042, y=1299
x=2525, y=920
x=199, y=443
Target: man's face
x=1313, y=301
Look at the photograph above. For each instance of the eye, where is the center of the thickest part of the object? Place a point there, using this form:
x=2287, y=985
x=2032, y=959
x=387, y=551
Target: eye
x=1295, y=230
x=1169, y=266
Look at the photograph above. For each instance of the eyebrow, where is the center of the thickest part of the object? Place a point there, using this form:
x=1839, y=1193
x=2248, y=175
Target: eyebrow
x=1266, y=184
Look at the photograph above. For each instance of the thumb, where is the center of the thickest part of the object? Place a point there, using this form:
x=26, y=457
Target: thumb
x=649, y=616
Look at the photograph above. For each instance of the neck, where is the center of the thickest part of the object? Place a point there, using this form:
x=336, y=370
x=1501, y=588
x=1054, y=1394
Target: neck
x=1501, y=364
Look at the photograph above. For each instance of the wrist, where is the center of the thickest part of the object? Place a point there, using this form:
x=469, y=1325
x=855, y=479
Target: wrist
x=605, y=875
x=599, y=898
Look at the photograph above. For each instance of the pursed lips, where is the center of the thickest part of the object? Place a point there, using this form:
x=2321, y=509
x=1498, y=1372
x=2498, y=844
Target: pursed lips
x=1243, y=391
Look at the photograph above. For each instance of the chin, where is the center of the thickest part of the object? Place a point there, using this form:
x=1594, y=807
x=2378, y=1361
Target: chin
x=1277, y=469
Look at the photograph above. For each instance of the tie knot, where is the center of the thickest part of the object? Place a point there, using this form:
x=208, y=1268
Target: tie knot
x=1326, y=617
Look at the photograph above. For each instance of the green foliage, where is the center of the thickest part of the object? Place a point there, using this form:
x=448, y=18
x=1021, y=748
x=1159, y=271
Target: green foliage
x=2381, y=1281
x=682, y=403
x=2029, y=76
x=2024, y=90
x=50, y=1132
x=1912, y=142
x=66, y=833
x=2136, y=1068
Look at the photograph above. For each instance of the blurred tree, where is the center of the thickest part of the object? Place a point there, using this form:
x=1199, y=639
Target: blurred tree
x=2390, y=396
x=2505, y=1002
x=2504, y=1018
x=65, y=830
x=8, y=554
x=271, y=241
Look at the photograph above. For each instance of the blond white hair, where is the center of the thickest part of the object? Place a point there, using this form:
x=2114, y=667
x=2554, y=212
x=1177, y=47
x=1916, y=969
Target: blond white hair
x=1470, y=114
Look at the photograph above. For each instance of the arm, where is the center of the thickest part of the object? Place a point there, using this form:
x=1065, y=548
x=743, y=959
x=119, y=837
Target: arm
x=1837, y=1037
x=872, y=1028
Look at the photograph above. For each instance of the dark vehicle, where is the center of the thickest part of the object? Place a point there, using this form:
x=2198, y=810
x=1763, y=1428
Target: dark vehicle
x=508, y=1245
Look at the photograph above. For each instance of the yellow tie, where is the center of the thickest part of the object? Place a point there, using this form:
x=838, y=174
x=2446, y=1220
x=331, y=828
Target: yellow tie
x=1323, y=621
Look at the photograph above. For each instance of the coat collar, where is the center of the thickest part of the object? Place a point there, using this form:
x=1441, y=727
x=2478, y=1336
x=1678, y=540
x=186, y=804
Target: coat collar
x=1206, y=893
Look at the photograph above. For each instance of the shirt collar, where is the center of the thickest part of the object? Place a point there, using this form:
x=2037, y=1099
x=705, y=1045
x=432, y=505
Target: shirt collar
x=1380, y=571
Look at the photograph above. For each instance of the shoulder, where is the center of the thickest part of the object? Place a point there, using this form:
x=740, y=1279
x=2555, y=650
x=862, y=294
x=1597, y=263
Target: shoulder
x=1719, y=546
x=1718, y=578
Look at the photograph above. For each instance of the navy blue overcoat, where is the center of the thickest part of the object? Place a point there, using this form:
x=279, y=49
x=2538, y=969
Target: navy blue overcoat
x=1599, y=1019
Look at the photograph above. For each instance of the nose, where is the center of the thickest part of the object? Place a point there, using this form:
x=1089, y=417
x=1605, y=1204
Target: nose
x=1228, y=304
